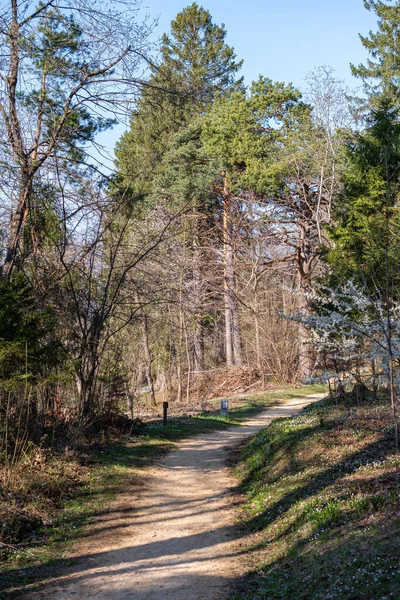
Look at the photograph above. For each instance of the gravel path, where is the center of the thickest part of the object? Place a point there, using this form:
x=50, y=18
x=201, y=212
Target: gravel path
x=174, y=538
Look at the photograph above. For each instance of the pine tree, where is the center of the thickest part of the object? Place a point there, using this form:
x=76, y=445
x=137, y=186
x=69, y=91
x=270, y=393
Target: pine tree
x=381, y=73
x=196, y=65
x=367, y=211
x=196, y=53
x=161, y=151
x=245, y=135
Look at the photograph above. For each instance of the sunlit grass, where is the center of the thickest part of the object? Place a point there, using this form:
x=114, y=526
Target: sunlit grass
x=323, y=505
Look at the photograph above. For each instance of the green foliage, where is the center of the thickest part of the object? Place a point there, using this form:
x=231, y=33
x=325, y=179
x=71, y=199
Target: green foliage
x=44, y=222
x=197, y=55
x=246, y=135
x=321, y=513
x=366, y=213
x=57, y=53
x=196, y=65
x=189, y=171
x=242, y=136
x=27, y=347
x=381, y=73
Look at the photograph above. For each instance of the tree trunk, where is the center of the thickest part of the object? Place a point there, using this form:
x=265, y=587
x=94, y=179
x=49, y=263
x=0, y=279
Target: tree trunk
x=148, y=357
x=198, y=358
x=236, y=334
x=305, y=258
x=144, y=325
x=86, y=378
x=306, y=363
x=234, y=354
x=199, y=346
x=16, y=227
x=257, y=337
x=16, y=140
x=199, y=290
x=227, y=252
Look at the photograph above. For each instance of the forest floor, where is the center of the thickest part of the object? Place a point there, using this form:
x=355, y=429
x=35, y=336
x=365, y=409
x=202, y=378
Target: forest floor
x=170, y=533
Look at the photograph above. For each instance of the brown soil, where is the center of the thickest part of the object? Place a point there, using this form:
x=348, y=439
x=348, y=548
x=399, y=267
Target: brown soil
x=175, y=537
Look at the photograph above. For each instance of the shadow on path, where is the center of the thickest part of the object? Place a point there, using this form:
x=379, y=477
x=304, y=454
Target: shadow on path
x=174, y=540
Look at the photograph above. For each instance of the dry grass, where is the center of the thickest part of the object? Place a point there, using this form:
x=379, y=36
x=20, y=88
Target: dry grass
x=206, y=389
x=31, y=494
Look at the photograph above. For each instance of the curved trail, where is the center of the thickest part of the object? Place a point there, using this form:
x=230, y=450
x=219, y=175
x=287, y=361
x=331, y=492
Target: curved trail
x=174, y=538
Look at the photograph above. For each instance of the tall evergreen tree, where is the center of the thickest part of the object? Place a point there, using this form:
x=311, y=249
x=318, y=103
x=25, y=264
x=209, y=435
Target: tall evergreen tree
x=366, y=213
x=196, y=64
x=246, y=136
x=381, y=73
x=198, y=57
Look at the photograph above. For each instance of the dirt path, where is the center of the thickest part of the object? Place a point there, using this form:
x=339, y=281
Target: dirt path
x=175, y=538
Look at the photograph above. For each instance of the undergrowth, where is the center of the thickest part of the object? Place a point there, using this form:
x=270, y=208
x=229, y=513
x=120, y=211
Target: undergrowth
x=323, y=506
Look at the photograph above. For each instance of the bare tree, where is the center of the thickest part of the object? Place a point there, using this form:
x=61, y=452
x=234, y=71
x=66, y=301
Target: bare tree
x=66, y=72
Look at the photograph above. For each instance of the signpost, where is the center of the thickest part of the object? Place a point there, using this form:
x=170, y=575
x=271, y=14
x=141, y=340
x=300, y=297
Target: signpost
x=224, y=407
x=165, y=410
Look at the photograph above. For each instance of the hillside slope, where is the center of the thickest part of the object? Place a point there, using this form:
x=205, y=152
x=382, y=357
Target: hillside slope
x=322, y=500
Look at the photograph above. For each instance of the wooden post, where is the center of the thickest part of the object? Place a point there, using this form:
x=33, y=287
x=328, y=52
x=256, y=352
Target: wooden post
x=165, y=410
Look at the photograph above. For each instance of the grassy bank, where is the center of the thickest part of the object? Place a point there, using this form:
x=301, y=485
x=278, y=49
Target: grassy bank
x=323, y=506
x=50, y=497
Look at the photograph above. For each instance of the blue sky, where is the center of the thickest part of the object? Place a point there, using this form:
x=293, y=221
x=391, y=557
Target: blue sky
x=283, y=40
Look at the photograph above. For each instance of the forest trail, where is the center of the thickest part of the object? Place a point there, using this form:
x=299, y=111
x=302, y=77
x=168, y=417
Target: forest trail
x=174, y=538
